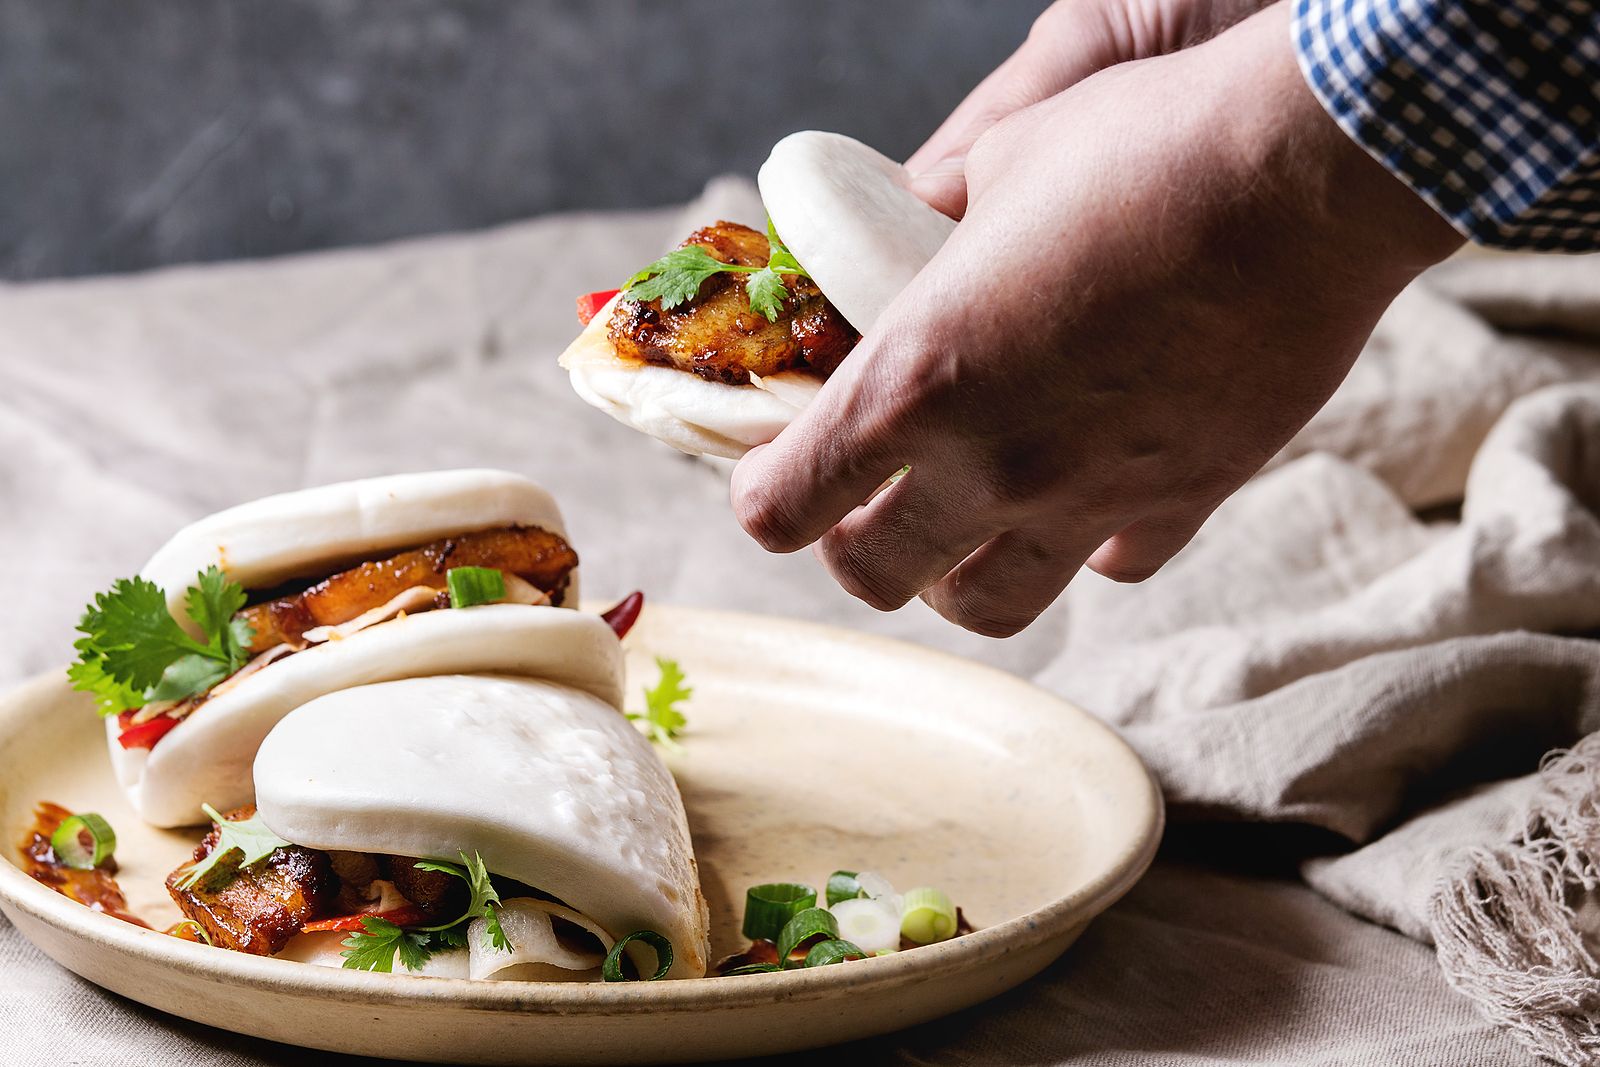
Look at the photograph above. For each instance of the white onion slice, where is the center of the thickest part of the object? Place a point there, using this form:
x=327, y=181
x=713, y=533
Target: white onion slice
x=417, y=598
x=877, y=887
x=522, y=591
x=527, y=925
x=872, y=924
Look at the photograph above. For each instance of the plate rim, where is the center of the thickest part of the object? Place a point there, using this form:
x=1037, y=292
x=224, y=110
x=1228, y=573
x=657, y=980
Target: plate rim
x=1058, y=918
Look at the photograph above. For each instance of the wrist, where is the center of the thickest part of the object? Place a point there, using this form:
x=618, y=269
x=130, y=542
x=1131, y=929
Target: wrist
x=1354, y=213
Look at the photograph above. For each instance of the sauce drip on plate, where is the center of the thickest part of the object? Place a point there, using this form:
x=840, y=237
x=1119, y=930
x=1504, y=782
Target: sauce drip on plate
x=96, y=888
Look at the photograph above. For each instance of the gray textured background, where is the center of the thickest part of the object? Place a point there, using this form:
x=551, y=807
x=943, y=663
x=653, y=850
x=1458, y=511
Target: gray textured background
x=135, y=133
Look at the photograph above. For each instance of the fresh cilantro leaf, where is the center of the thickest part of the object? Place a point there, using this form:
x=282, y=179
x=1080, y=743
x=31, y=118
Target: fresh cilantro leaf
x=676, y=277
x=212, y=602
x=661, y=717
x=497, y=933
x=449, y=937
x=378, y=943
x=250, y=838
x=133, y=633
x=186, y=676
x=766, y=292
x=133, y=651
x=414, y=950
x=89, y=675
x=447, y=868
x=482, y=895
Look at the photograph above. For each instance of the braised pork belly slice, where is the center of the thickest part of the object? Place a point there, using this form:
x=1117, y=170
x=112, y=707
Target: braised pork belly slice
x=718, y=337
x=259, y=908
x=539, y=557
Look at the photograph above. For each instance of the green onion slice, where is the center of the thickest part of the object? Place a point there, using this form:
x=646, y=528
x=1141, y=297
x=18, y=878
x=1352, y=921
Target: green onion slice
x=833, y=951
x=842, y=885
x=200, y=931
x=611, y=969
x=803, y=927
x=67, y=841
x=927, y=916
x=753, y=968
x=471, y=586
x=768, y=907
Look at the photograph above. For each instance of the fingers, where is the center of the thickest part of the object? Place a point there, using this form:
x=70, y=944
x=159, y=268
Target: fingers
x=1069, y=42
x=908, y=538
x=1138, y=551
x=1002, y=587
x=821, y=467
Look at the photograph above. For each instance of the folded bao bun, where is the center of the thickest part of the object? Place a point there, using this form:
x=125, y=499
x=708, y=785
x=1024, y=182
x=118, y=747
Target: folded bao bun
x=207, y=756
x=848, y=214
x=550, y=785
x=314, y=532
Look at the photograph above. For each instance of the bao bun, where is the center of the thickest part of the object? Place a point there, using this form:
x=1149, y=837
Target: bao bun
x=312, y=533
x=206, y=757
x=848, y=214
x=551, y=786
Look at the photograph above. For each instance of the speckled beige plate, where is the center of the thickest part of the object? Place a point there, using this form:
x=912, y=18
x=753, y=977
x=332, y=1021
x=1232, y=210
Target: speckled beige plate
x=810, y=749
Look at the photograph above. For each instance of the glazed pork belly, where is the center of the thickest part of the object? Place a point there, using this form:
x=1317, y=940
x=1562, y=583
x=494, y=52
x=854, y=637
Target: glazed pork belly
x=718, y=337
x=257, y=909
x=538, y=557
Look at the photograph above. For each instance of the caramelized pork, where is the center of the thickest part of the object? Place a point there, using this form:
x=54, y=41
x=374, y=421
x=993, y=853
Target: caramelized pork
x=717, y=336
x=538, y=556
x=435, y=892
x=258, y=909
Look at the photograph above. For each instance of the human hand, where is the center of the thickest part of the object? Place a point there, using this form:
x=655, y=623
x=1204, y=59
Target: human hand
x=1071, y=40
x=1161, y=275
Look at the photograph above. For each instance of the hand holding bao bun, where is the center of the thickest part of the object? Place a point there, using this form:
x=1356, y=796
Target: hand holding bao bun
x=717, y=346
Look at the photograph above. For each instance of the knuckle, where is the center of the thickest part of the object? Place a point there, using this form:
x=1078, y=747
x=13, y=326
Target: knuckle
x=860, y=570
x=767, y=518
x=979, y=611
x=1059, y=18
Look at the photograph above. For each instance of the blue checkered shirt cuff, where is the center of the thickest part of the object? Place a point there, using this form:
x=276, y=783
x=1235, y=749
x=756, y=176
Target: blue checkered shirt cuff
x=1488, y=109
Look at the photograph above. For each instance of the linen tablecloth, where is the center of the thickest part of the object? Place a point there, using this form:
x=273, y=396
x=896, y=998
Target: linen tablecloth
x=1345, y=684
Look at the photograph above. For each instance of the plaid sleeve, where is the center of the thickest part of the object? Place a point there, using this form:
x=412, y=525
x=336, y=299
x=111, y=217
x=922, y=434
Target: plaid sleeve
x=1486, y=108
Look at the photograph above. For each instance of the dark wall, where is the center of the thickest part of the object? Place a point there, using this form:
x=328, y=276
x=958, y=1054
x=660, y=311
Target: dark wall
x=140, y=132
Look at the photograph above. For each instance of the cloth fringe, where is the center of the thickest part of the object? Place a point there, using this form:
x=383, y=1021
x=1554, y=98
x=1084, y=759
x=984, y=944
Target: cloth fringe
x=1505, y=927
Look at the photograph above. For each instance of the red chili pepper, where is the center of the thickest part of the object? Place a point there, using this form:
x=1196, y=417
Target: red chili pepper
x=589, y=304
x=146, y=734
x=409, y=915
x=622, y=617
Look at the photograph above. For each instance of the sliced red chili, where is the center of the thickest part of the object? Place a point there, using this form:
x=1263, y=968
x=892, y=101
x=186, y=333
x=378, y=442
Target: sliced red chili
x=589, y=304
x=146, y=734
x=622, y=617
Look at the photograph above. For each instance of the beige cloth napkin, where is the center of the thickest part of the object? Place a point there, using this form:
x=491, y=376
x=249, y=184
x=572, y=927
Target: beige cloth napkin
x=1321, y=656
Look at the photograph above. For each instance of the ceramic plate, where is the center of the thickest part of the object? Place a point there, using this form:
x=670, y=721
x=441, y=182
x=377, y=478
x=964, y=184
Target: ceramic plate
x=809, y=749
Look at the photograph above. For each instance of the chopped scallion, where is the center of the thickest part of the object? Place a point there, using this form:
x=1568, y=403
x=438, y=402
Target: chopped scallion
x=833, y=950
x=768, y=907
x=842, y=885
x=611, y=970
x=471, y=586
x=927, y=916
x=753, y=968
x=68, y=845
x=807, y=924
x=871, y=922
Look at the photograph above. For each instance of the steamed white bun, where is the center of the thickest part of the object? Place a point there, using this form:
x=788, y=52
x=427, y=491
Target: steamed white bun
x=850, y=217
